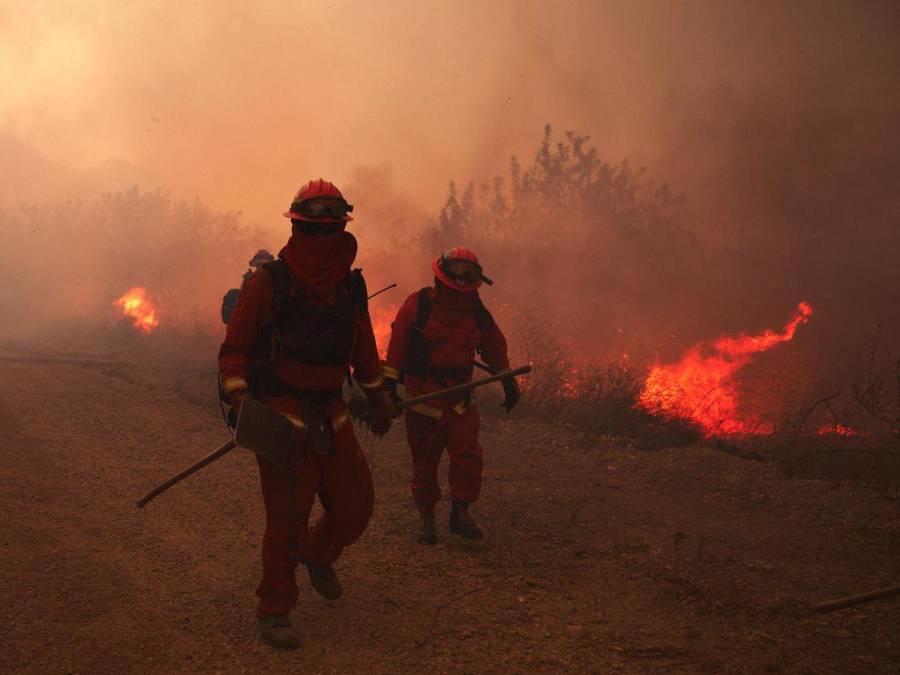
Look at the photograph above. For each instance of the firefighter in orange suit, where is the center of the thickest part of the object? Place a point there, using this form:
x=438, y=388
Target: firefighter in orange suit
x=229, y=302
x=301, y=322
x=434, y=340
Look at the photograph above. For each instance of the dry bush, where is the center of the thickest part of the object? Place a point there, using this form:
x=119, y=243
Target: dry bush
x=843, y=429
x=876, y=387
x=593, y=251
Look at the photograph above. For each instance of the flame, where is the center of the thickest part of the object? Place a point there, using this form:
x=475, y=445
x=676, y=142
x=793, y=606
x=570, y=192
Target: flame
x=697, y=386
x=382, y=318
x=136, y=305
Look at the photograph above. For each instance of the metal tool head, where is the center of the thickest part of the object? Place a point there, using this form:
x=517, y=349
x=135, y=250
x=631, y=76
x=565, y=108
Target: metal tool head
x=265, y=431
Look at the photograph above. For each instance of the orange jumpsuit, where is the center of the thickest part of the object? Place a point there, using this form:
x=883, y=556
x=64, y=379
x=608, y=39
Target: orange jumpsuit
x=453, y=337
x=319, y=265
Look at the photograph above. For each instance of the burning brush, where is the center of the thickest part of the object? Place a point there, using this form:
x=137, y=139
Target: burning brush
x=137, y=306
x=700, y=387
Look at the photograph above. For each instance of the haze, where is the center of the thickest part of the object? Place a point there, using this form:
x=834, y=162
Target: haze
x=777, y=121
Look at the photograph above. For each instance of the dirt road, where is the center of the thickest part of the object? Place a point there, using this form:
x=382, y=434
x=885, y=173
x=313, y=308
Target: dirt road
x=600, y=558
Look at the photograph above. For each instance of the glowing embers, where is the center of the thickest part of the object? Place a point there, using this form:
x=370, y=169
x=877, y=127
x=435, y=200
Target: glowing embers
x=700, y=387
x=143, y=313
x=838, y=429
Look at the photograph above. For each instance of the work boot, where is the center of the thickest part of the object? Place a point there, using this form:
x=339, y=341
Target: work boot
x=276, y=631
x=427, y=533
x=461, y=522
x=325, y=580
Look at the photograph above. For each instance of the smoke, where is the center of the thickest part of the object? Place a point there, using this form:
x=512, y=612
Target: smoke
x=775, y=122
x=796, y=183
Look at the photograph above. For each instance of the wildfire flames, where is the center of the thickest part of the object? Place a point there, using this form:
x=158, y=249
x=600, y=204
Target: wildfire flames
x=136, y=305
x=381, y=325
x=700, y=387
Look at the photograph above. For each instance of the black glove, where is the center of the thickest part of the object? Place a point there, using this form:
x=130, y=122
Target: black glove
x=511, y=389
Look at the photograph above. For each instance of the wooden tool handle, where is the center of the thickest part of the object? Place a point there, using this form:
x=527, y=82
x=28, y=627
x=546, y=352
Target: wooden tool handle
x=462, y=388
x=180, y=476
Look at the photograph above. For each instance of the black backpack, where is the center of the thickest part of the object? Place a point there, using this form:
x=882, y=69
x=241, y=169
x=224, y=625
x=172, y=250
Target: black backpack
x=229, y=302
x=317, y=334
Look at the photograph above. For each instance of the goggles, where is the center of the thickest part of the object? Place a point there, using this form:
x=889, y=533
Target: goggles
x=322, y=207
x=462, y=271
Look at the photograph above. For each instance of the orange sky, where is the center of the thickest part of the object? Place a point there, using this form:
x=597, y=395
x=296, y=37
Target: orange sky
x=238, y=103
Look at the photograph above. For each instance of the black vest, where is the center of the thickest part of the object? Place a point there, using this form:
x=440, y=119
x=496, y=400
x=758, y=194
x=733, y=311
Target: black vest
x=306, y=332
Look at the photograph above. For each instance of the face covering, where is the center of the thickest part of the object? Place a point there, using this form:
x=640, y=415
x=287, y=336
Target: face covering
x=452, y=298
x=319, y=262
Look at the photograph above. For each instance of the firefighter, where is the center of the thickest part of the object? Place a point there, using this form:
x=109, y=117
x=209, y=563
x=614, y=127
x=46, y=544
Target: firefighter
x=229, y=302
x=434, y=340
x=260, y=258
x=301, y=322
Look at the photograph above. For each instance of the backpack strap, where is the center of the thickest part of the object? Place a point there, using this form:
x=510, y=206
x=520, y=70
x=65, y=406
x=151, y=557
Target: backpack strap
x=281, y=285
x=423, y=312
x=268, y=342
x=358, y=291
x=483, y=318
x=417, y=352
x=282, y=282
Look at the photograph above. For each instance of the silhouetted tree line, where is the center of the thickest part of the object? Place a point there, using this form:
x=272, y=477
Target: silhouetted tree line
x=70, y=261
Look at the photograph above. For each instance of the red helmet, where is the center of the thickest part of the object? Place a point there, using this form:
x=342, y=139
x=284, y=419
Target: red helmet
x=320, y=201
x=459, y=269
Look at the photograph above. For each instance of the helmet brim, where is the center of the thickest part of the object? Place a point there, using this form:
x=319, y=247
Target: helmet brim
x=293, y=215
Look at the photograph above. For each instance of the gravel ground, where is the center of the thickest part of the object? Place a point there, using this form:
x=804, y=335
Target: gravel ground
x=599, y=557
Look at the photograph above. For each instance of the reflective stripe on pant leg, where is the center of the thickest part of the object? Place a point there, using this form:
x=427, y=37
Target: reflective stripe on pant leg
x=426, y=443
x=288, y=496
x=347, y=496
x=466, y=455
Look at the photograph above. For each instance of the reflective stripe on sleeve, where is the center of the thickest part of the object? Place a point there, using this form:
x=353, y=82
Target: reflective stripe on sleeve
x=233, y=384
x=461, y=407
x=296, y=421
x=336, y=422
x=372, y=385
x=340, y=420
x=392, y=373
